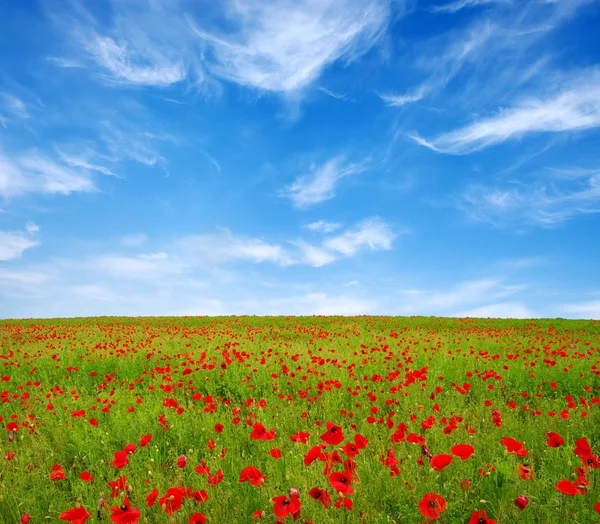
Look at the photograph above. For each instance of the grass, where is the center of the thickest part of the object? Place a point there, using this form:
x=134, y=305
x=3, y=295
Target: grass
x=366, y=374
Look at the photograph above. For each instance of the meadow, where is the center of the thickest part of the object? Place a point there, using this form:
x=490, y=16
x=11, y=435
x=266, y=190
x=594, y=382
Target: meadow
x=306, y=419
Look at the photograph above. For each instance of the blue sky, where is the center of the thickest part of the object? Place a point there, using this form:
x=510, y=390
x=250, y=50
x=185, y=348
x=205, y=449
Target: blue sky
x=179, y=157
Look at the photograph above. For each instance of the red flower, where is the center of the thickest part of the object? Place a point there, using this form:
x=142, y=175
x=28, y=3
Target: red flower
x=172, y=500
x=259, y=432
x=341, y=482
x=284, y=506
x=334, y=435
x=301, y=437
x=197, y=518
x=525, y=472
x=86, y=477
x=568, y=488
x=124, y=514
x=521, y=502
x=26, y=519
x=321, y=495
x=432, y=505
x=151, y=498
x=313, y=454
x=360, y=441
x=181, y=461
x=119, y=484
x=57, y=473
x=145, y=440
x=464, y=451
x=214, y=480
x=253, y=475
x=439, y=462
x=275, y=453
x=120, y=460
x=554, y=440
x=597, y=507
x=77, y=515
x=219, y=428
x=479, y=517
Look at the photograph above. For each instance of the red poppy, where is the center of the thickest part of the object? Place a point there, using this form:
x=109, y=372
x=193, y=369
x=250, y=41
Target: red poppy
x=259, y=432
x=341, y=482
x=197, y=518
x=57, y=473
x=124, y=514
x=284, y=506
x=464, y=451
x=120, y=460
x=172, y=500
x=151, y=498
x=145, y=440
x=334, y=435
x=313, y=454
x=181, y=461
x=77, y=515
x=275, y=453
x=431, y=506
x=253, y=475
x=554, y=440
x=583, y=449
x=597, y=507
x=521, y=502
x=321, y=495
x=214, y=480
x=525, y=472
x=86, y=477
x=568, y=488
x=480, y=517
x=360, y=441
x=219, y=428
x=199, y=496
x=301, y=437
x=26, y=519
x=117, y=485
x=439, y=462
x=346, y=503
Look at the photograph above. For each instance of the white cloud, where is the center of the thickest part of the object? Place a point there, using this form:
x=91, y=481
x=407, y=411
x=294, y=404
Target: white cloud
x=33, y=172
x=284, y=45
x=372, y=233
x=13, y=244
x=32, y=228
x=13, y=105
x=400, y=100
x=315, y=256
x=457, y=5
x=94, y=292
x=143, y=266
x=127, y=64
x=227, y=247
x=133, y=240
x=21, y=277
x=584, y=310
x=574, y=107
x=501, y=310
x=544, y=203
x=322, y=226
x=320, y=186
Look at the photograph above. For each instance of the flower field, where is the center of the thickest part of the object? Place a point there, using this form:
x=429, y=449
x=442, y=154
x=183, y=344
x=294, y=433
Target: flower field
x=312, y=419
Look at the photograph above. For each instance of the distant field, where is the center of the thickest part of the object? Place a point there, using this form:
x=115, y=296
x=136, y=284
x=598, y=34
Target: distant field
x=324, y=419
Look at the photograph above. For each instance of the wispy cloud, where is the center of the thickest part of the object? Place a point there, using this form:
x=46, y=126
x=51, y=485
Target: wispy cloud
x=319, y=186
x=575, y=107
x=322, y=226
x=453, y=7
x=314, y=255
x=590, y=309
x=372, y=233
x=34, y=172
x=14, y=243
x=283, y=46
x=13, y=105
x=545, y=203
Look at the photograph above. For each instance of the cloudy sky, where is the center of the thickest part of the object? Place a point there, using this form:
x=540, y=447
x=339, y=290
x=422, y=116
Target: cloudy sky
x=406, y=157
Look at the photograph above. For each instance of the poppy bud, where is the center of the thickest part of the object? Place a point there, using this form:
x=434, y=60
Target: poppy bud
x=521, y=502
x=294, y=492
x=181, y=461
x=11, y=437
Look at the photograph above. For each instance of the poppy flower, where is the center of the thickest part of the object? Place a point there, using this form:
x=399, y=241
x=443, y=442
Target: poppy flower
x=321, y=495
x=77, y=515
x=568, y=488
x=521, y=502
x=26, y=519
x=151, y=498
x=120, y=460
x=284, y=506
x=334, y=435
x=57, y=473
x=525, y=472
x=145, y=440
x=258, y=514
x=439, y=462
x=124, y=514
x=253, y=475
x=86, y=477
x=431, y=506
x=360, y=441
x=554, y=440
x=313, y=454
x=341, y=482
x=130, y=449
x=464, y=451
x=275, y=453
x=199, y=496
x=597, y=507
x=214, y=480
x=219, y=428
x=197, y=518
x=480, y=517
x=117, y=485
x=346, y=503
x=172, y=500
x=301, y=437
x=181, y=461
x=259, y=432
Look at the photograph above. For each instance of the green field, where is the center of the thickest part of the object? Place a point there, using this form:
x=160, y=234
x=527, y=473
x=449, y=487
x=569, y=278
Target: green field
x=401, y=391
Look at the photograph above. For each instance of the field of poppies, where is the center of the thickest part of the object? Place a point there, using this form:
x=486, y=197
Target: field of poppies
x=312, y=419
